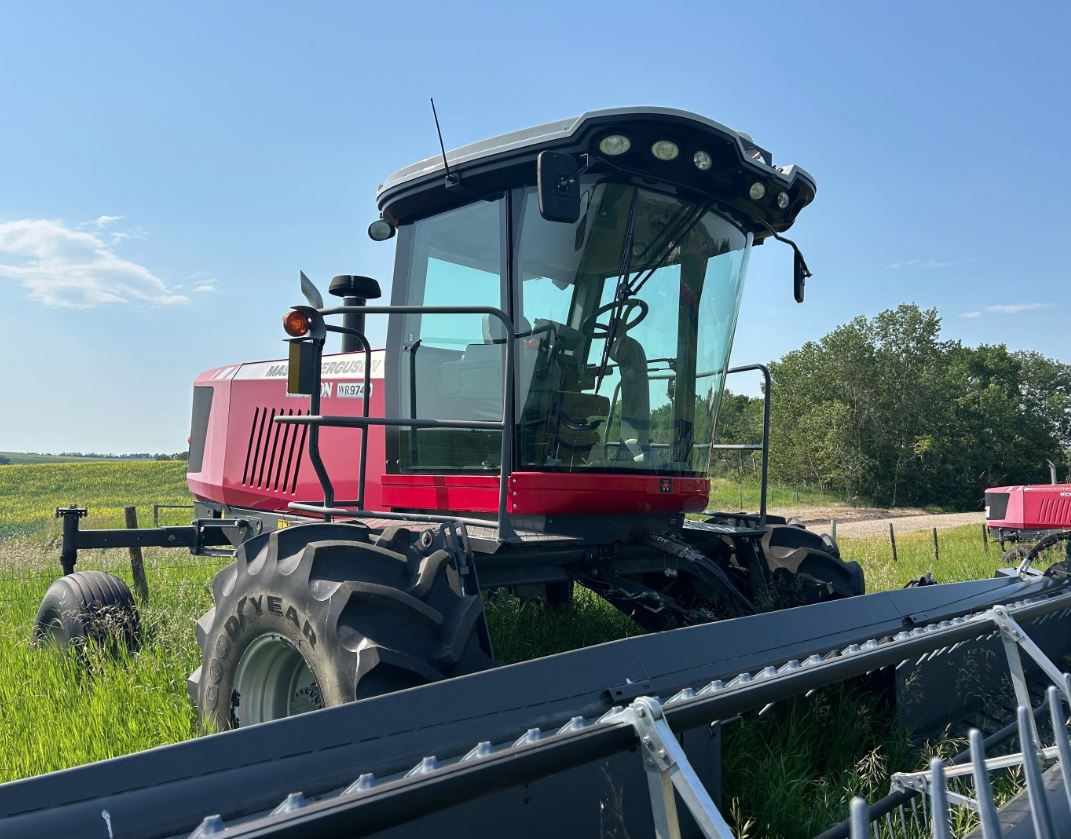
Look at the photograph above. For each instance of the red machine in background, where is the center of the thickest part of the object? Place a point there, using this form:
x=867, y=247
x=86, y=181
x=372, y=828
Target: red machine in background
x=1034, y=518
x=1027, y=513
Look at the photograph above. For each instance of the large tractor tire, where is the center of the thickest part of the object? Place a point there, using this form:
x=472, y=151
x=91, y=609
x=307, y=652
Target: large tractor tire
x=322, y=614
x=806, y=567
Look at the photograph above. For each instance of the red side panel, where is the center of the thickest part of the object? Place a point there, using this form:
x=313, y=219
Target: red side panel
x=548, y=493
x=252, y=461
x=468, y=493
x=1041, y=507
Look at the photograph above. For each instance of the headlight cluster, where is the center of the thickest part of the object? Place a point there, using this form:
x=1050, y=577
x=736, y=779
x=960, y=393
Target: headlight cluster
x=614, y=145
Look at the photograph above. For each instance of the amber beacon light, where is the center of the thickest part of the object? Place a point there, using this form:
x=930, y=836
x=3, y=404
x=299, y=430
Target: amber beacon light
x=296, y=324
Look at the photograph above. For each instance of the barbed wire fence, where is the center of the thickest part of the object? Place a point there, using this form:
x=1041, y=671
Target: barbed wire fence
x=29, y=559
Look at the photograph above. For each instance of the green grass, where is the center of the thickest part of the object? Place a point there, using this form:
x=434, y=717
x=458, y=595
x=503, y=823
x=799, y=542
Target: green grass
x=30, y=493
x=793, y=770
x=787, y=773
x=963, y=556
x=34, y=457
x=58, y=713
x=728, y=495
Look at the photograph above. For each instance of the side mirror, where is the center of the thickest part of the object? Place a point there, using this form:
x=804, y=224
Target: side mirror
x=558, y=186
x=799, y=276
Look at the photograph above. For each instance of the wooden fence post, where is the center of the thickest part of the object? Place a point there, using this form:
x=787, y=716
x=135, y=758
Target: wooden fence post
x=137, y=563
x=892, y=541
x=936, y=549
x=985, y=536
x=833, y=529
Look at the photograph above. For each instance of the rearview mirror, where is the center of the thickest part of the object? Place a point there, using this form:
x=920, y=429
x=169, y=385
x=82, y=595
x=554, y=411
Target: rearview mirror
x=799, y=276
x=558, y=186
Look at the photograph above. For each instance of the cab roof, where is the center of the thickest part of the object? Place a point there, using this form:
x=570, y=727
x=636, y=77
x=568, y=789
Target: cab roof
x=508, y=160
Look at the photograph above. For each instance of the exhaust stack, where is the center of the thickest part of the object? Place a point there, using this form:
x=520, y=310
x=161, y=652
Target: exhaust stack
x=354, y=291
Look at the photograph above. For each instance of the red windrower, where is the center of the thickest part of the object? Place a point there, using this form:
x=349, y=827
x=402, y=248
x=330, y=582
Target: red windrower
x=1038, y=507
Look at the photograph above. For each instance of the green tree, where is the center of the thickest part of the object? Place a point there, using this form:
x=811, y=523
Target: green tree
x=1045, y=387
x=885, y=409
x=829, y=448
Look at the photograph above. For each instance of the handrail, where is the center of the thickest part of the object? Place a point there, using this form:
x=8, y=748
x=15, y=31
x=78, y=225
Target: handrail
x=366, y=348
x=764, y=446
x=404, y=422
x=315, y=420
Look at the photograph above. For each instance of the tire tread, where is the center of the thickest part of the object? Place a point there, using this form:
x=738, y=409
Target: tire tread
x=390, y=609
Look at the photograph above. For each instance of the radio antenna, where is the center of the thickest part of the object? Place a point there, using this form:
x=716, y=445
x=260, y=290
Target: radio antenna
x=451, y=178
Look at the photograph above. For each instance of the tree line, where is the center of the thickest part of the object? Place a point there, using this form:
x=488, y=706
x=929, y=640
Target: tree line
x=884, y=410
x=6, y=461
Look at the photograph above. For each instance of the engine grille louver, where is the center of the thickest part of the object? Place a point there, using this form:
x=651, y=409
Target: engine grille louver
x=275, y=451
x=1056, y=511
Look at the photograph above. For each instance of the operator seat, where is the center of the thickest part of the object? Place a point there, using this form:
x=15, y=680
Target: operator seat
x=476, y=376
x=560, y=421
x=468, y=386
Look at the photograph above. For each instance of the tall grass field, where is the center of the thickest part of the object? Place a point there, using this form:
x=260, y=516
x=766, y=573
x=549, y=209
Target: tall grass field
x=788, y=773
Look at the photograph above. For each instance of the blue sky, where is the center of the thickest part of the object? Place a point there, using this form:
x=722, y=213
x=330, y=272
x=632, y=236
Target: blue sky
x=169, y=168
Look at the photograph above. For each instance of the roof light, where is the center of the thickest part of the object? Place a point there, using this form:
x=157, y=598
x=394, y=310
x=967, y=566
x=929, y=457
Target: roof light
x=665, y=150
x=782, y=200
x=380, y=230
x=757, y=191
x=296, y=324
x=702, y=160
x=614, y=144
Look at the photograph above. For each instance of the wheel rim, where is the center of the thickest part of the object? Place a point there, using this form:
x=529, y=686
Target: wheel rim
x=273, y=680
x=51, y=633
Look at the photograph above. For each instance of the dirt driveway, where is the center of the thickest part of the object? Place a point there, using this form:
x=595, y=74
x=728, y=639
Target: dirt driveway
x=872, y=521
x=902, y=524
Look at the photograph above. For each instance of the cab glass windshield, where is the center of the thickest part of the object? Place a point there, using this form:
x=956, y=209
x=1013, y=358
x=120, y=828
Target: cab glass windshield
x=624, y=322
x=634, y=308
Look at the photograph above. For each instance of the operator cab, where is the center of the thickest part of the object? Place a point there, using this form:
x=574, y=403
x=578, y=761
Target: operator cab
x=617, y=243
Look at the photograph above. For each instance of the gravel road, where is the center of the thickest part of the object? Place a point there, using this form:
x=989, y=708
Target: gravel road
x=902, y=524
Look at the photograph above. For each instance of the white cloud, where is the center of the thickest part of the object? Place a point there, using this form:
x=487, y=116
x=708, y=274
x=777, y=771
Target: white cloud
x=1015, y=308
x=1005, y=309
x=204, y=287
x=919, y=263
x=74, y=268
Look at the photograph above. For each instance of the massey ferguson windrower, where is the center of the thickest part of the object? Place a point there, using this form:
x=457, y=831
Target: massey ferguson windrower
x=563, y=305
